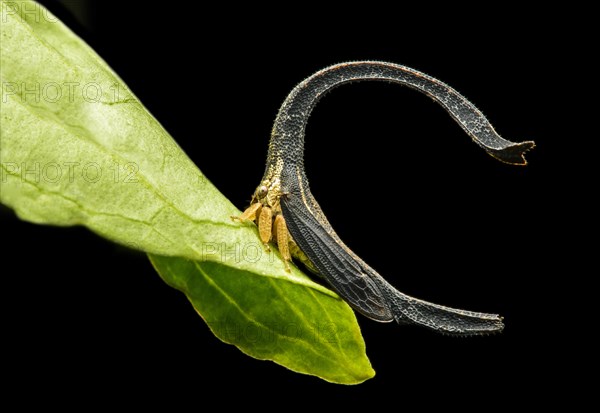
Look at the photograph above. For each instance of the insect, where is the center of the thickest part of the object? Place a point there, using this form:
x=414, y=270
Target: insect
x=286, y=212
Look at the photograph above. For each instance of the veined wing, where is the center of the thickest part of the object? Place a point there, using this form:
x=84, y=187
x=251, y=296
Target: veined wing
x=340, y=269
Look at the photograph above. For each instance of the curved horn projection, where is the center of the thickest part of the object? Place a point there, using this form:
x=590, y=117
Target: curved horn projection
x=285, y=189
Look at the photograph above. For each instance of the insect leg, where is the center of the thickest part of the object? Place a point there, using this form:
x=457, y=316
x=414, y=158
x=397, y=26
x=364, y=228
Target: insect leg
x=265, y=223
x=249, y=214
x=282, y=240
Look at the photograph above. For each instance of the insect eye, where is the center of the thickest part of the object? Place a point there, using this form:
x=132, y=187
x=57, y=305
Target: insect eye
x=262, y=191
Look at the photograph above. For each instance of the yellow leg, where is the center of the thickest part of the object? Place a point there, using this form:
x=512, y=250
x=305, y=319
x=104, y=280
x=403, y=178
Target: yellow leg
x=282, y=240
x=249, y=214
x=265, y=223
x=297, y=253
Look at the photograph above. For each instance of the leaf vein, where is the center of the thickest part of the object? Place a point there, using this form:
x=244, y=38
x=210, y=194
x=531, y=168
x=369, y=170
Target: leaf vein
x=251, y=319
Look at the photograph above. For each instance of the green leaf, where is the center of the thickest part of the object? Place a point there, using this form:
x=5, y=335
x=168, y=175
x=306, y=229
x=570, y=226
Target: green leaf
x=285, y=322
x=78, y=148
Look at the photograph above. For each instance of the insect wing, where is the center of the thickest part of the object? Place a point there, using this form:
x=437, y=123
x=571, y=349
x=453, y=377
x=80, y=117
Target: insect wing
x=333, y=261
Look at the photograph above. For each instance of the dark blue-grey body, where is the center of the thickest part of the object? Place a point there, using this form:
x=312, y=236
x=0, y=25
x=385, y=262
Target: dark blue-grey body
x=361, y=286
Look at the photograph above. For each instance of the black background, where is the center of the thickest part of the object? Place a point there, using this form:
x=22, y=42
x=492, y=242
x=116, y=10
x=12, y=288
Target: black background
x=438, y=217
